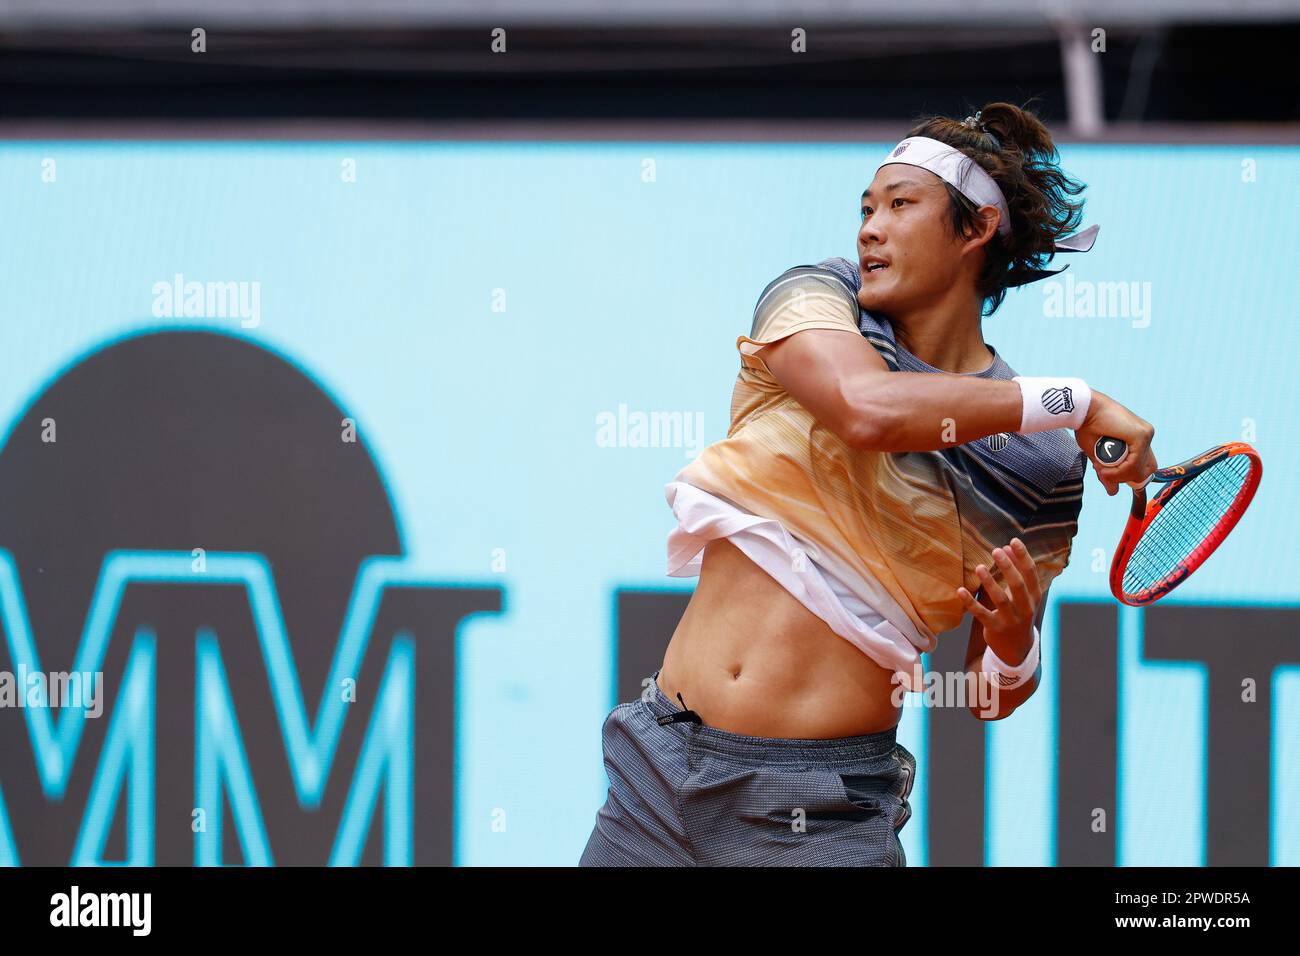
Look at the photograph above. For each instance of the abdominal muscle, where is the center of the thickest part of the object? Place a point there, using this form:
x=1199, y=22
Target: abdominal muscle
x=749, y=658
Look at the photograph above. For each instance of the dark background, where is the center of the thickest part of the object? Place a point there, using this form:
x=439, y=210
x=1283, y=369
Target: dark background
x=1183, y=73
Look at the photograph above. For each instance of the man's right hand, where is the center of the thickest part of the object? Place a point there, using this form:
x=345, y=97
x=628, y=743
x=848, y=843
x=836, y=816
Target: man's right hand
x=1107, y=417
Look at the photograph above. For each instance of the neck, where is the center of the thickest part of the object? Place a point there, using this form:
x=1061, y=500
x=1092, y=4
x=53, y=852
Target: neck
x=945, y=335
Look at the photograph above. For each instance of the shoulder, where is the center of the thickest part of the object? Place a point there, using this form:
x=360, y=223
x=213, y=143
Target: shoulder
x=822, y=295
x=845, y=272
x=803, y=297
x=835, y=282
x=798, y=281
x=877, y=329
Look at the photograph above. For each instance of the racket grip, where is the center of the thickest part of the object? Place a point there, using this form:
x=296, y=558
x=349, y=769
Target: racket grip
x=1110, y=450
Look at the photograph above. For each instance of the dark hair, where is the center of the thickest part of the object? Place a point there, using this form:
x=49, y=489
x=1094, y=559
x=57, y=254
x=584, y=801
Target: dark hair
x=1015, y=148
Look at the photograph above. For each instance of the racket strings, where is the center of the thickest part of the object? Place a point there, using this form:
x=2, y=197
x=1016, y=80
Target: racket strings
x=1186, y=521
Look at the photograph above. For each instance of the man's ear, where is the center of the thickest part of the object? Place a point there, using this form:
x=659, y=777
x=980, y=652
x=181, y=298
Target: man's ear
x=985, y=228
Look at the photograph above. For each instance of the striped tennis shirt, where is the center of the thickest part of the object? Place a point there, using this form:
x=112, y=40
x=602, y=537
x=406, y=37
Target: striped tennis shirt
x=899, y=530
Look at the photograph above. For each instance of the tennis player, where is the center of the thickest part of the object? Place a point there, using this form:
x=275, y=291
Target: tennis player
x=885, y=474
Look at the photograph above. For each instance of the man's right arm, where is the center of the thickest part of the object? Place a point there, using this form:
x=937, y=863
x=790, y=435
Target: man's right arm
x=844, y=383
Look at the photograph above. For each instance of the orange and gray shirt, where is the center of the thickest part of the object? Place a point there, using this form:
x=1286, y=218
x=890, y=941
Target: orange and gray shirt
x=901, y=530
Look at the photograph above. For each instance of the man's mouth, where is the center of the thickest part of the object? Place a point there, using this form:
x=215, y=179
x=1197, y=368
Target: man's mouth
x=873, y=266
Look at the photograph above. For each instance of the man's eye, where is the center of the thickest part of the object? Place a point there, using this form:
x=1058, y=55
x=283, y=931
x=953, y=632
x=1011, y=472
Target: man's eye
x=866, y=211
x=899, y=199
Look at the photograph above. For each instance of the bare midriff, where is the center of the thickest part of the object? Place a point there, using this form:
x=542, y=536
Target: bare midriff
x=749, y=658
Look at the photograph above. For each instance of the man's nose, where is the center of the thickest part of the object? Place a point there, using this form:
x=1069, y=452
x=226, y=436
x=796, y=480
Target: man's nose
x=871, y=233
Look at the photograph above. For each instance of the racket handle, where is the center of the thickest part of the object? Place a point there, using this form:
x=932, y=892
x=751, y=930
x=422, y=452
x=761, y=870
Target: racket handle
x=1110, y=450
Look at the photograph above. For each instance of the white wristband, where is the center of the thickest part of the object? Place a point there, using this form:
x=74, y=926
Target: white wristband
x=1049, y=403
x=1006, y=676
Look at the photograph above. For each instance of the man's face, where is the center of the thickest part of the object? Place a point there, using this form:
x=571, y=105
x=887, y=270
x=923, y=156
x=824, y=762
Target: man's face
x=906, y=227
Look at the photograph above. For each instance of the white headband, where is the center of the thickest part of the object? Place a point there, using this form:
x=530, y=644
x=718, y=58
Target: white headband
x=969, y=178
x=955, y=168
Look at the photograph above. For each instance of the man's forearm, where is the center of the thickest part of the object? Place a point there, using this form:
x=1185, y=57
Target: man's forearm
x=922, y=411
x=1007, y=699
x=997, y=704
x=993, y=701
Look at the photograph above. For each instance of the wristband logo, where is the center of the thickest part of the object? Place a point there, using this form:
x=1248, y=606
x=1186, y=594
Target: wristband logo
x=186, y=513
x=1058, y=401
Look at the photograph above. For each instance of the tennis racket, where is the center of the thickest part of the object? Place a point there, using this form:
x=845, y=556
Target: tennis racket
x=1170, y=536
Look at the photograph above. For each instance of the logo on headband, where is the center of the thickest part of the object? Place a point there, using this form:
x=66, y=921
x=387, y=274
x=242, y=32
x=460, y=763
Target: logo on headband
x=901, y=147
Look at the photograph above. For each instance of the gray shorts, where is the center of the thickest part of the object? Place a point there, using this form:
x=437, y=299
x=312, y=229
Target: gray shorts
x=685, y=794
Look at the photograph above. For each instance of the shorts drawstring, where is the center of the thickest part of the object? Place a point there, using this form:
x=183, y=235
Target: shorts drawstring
x=684, y=714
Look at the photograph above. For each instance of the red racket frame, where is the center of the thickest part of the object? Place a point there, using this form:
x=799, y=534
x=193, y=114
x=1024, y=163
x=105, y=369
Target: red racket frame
x=1142, y=514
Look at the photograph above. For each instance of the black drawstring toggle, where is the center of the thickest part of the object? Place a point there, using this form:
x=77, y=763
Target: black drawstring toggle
x=684, y=714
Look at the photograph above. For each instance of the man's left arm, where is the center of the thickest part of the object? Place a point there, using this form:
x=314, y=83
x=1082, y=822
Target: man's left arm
x=1013, y=639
